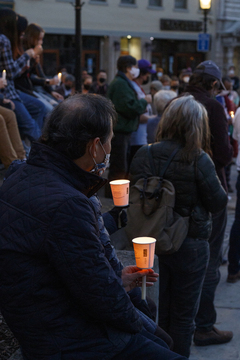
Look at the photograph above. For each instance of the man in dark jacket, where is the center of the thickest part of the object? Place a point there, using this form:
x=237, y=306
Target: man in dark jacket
x=205, y=80
x=58, y=292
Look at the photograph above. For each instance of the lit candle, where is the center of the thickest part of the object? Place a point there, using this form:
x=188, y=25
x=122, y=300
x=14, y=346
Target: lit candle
x=59, y=78
x=144, y=249
x=232, y=114
x=4, y=73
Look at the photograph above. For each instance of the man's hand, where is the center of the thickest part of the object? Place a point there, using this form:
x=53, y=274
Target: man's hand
x=148, y=98
x=132, y=277
x=57, y=96
x=7, y=101
x=3, y=83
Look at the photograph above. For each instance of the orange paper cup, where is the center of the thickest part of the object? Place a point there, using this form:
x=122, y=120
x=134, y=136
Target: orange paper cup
x=120, y=192
x=144, y=249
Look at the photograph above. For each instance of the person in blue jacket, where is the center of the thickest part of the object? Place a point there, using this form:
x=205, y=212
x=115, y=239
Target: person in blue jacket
x=59, y=294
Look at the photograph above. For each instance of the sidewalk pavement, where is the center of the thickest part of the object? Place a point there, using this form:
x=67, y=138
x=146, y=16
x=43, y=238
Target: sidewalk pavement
x=227, y=299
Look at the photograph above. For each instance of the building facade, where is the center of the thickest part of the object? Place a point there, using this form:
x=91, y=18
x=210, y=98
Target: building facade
x=228, y=35
x=162, y=31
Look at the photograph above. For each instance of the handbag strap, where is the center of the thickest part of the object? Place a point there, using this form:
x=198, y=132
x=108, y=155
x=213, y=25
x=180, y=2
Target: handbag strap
x=164, y=168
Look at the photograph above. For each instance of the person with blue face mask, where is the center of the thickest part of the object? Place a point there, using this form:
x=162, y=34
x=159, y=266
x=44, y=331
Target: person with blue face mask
x=129, y=108
x=57, y=285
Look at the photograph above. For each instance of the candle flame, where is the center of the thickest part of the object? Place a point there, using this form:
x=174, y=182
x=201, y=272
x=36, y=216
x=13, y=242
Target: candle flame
x=232, y=114
x=4, y=73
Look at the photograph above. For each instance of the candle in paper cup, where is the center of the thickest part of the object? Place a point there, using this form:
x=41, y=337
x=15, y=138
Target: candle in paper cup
x=59, y=78
x=144, y=250
x=4, y=74
x=120, y=192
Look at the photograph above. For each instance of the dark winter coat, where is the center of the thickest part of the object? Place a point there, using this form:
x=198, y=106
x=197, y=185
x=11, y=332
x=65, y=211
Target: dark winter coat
x=58, y=292
x=220, y=144
x=198, y=189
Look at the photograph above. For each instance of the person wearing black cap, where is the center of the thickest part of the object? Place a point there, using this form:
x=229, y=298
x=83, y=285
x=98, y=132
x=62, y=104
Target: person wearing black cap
x=203, y=83
x=139, y=137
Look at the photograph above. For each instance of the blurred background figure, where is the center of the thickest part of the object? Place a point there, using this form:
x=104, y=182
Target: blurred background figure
x=155, y=86
x=184, y=78
x=233, y=77
x=87, y=83
x=166, y=82
x=175, y=84
x=67, y=86
x=34, y=35
x=30, y=112
x=161, y=99
x=139, y=137
x=159, y=73
x=100, y=86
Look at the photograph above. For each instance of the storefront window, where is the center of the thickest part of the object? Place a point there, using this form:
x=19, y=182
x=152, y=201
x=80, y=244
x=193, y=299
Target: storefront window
x=180, y=4
x=127, y=1
x=7, y=3
x=155, y=2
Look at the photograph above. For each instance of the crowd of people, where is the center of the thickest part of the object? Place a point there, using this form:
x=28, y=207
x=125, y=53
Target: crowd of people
x=63, y=291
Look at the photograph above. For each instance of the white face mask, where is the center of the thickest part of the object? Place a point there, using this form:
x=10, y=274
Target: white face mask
x=159, y=74
x=231, y=72
x=166, y=87
x=100, y=168
x=134, y=72
x=186, y=79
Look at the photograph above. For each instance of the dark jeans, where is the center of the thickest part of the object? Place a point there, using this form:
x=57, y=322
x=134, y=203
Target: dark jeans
x=119, y=156
x=27, y=126
x=145, y=346
x=234, y=241
x=206, y=316
x=35, y=107
x=181, y=278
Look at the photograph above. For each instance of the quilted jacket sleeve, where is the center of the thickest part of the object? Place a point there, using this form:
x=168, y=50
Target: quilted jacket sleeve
x=212, y=194
x=77, y=255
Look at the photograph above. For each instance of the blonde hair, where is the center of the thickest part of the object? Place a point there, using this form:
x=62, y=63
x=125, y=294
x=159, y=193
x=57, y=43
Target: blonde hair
x=185, y=121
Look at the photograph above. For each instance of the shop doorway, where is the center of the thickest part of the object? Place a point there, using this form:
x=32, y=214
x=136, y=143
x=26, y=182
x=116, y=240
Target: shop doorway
x=186, y=60
x=90, y=61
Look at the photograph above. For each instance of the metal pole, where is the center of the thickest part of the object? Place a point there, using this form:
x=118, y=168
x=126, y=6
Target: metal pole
x=78, y=46
x=205, y=20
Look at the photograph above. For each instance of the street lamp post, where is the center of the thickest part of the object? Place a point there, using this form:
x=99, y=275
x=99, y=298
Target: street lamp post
x=205, y=5
x=78, y=46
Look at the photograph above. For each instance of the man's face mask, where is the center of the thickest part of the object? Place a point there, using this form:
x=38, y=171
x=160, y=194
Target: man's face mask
x=102, y=80
x=86, y=86
x=146, y=81
x=186, y=79
x=100, y=168
x=67, y=87
x=134, y=72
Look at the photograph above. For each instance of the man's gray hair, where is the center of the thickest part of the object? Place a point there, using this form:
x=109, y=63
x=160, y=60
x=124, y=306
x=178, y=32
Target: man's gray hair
x=162, y=98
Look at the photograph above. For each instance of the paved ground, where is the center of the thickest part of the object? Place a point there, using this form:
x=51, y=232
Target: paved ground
x=227, y=299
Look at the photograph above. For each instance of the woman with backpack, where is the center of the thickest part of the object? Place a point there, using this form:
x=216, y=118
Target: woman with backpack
x=198, y=193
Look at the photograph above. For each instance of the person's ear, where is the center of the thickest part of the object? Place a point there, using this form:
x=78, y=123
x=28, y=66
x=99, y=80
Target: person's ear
x=214, y=83
x=93, y=147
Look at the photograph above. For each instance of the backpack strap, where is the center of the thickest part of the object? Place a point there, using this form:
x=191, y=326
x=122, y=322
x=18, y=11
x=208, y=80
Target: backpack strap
x=168, y=162
x=151, y=162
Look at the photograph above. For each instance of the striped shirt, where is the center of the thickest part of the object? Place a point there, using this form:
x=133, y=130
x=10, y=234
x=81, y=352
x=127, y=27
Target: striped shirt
x=13, y=68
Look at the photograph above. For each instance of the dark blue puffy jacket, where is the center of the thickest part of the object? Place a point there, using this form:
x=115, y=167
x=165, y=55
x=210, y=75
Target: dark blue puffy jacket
x=58, y=292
